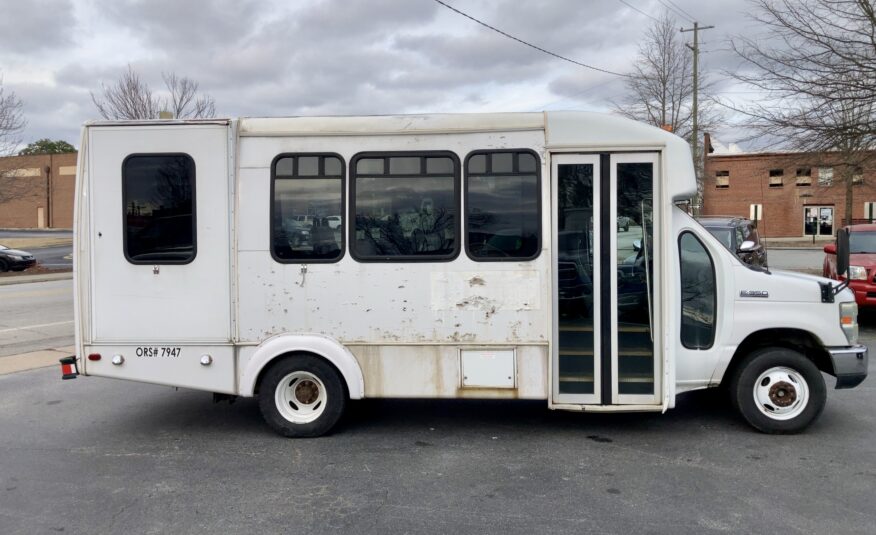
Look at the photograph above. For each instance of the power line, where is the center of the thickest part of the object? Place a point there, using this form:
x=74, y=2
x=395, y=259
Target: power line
x=634, y=8
x=521, y=41
x=675, y=10
x=691, y=17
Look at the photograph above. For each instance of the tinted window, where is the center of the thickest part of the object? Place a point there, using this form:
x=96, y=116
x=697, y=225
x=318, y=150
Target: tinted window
x=740, y=237
x=724, y=235
x=503, y=212
x=307, y=208
x=862, y=242
x=698, y=293
x=405, y=206
x=159, y=195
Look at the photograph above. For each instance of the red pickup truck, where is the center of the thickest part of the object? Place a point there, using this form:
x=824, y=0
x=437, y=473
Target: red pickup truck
x=862, y=263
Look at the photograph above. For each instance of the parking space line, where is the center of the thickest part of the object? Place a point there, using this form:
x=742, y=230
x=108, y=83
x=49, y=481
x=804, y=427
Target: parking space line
x=28, y=327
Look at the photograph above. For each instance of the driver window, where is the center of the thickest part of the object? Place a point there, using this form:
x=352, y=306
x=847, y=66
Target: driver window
x=698, y=293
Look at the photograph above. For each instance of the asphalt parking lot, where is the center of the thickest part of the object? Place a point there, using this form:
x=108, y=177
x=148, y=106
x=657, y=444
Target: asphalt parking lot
x=96, y=455
x=102, y=456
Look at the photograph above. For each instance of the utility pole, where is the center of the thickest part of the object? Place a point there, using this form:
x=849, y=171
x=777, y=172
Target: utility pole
x=694, y=141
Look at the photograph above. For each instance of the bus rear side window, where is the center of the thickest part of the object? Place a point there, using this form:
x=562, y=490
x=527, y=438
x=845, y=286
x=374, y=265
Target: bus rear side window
x=405, y=206
x=503, y=205
x=307, y=222
x=159, y=202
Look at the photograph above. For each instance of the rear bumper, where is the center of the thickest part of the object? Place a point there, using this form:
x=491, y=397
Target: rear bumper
x=849, y=365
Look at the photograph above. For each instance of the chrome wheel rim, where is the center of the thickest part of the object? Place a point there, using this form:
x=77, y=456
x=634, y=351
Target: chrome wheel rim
x=781, y=393
x=300, y=397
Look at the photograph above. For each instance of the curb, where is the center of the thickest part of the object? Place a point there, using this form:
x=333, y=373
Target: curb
x=23, y=279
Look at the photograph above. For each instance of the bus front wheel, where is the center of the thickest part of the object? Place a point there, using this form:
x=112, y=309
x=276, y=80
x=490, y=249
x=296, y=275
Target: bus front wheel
x=302, y=396
x=778, y=390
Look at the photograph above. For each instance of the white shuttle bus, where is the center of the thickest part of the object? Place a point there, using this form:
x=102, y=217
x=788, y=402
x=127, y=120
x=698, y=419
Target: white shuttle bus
x=314, y=260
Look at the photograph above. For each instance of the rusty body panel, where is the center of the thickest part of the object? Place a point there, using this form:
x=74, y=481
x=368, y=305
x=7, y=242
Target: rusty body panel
x=433, y=371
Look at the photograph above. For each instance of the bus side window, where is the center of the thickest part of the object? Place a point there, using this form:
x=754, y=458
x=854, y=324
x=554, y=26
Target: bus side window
x=405, y=206
x=307, y=221
x=503, y=205
x=698, y=293
x=159, y=204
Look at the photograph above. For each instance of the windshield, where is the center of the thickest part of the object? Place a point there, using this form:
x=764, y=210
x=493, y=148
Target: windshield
x=724, y=235
x=862, y=242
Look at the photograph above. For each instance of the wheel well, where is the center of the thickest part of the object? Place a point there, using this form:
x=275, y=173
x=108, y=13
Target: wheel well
x=796, y=339
x=273, y=362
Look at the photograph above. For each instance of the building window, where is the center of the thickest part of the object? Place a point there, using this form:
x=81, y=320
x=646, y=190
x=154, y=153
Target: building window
x=777, y=177
x=502, y=205
x=158, y=192
x=825, y=176
x=405, y=206
x=804, y=176
x=307, y=222
x=722, y=179
x=858, y=176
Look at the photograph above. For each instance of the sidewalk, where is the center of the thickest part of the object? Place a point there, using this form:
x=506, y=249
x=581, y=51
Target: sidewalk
x=797, y=243
x=41, y=277
x=33, y=360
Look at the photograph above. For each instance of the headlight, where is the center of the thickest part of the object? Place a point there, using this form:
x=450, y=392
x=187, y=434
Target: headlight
x=849, y=321
x=857, y=273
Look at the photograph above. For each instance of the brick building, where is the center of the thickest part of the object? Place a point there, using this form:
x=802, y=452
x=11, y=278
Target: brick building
x=795, y=193
x=37, y=191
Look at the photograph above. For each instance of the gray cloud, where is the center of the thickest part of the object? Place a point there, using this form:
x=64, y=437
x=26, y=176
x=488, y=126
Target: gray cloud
x=28, y=27
x=172, y=24
x=343, y=56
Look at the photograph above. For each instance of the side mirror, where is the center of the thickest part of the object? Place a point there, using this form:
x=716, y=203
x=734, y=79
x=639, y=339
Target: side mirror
x=842, y=251
x=747, y=246
x=637, y=245
x=830, y=248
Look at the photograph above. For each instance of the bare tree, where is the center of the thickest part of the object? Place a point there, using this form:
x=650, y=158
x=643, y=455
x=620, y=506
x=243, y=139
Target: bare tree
x=660, y=88
x=816, y=73
x=11, y=121
x=185, y=101
x=132, y=98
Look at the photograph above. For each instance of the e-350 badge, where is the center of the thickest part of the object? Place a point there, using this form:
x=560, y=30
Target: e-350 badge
x=754, y=293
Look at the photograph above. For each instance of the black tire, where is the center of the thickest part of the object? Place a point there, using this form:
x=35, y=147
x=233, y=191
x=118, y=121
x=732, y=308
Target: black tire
x=3, y=266
x=742, y=390
x=332, y=407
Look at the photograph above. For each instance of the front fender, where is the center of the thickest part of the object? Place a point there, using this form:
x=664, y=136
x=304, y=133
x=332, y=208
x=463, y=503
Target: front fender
x=317, y=344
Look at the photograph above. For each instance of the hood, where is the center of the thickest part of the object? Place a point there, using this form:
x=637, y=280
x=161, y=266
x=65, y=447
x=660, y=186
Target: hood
x=782, y=286
x=867, y=260
x=16, y=252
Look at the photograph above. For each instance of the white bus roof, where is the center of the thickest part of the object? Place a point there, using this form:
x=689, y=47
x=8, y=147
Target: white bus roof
x=562, y=128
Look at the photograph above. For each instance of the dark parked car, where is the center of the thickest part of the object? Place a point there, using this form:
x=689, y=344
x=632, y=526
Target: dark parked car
x=15, y=260
x=739, y=235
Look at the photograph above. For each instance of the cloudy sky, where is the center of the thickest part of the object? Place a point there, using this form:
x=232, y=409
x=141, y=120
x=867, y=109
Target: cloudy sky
x=310, y=57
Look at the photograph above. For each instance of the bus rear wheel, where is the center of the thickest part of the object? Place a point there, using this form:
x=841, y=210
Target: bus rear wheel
x=778, y=390
x=302, y=396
